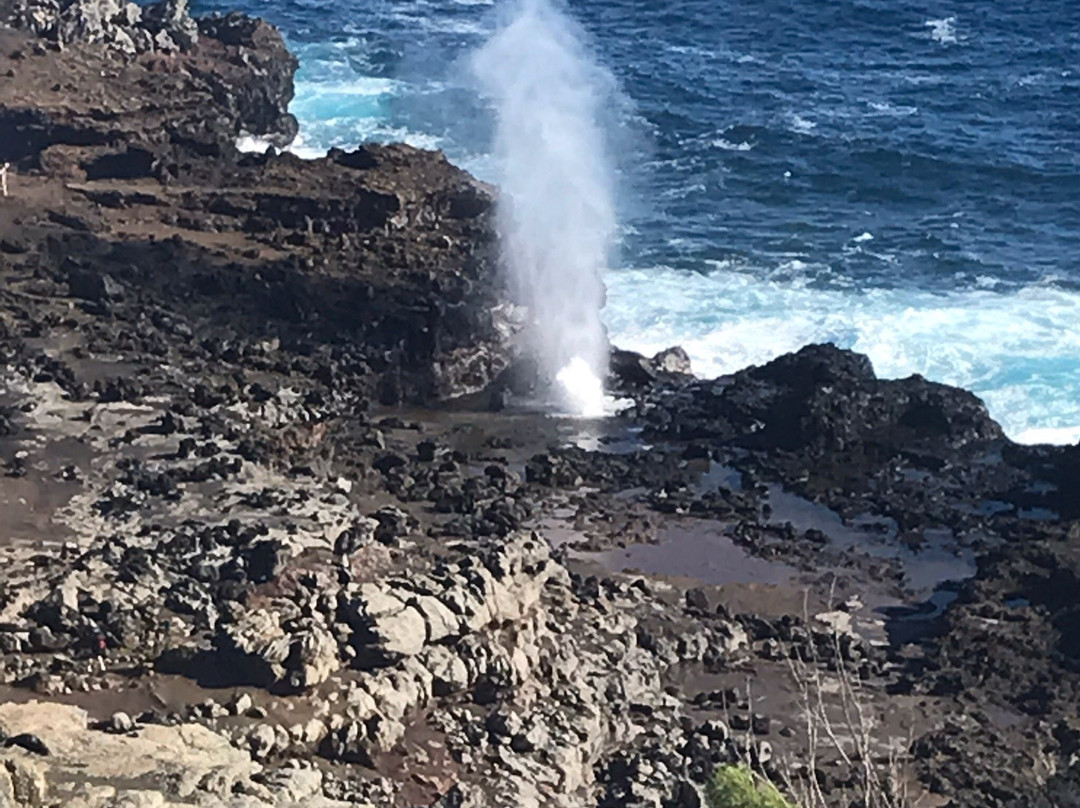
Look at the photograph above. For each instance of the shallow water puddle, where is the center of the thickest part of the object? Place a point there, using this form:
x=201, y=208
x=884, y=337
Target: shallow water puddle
x=936, y=561
x=698, y=549
x=933, y=572
x=608, y=435
x=717, y=475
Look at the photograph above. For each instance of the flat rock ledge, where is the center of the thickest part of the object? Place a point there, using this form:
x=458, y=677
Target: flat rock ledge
x=151, y=767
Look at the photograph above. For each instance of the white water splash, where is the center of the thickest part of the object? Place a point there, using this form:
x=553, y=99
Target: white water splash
x=556, y=213
x=581, y=389
x=299, y=147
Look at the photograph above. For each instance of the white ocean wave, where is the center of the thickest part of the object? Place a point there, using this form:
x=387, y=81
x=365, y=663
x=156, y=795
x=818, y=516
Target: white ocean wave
x=304, y=150
x=307, y=91
x=258, y=145
x=350, y=133
x=683, y=191
x=885, y=108
x=727, y=145
x=1062, y=436
x=802, y=125
x=252, y=144
x=317, y=138
x=943, y=31
x=441, y=23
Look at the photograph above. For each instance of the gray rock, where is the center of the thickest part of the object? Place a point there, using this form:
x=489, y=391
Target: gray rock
x=171, y=18
x=672, y=361
x=93, y=286
x=211, y=709
x=439, y=620
x=282, y=740
x=256, y=648
x=241, y=704
x=393, y=524
x=261, y=741
x=25, y=782
x=349, y=744
x=313, y=658
x=122, y=41
x=165, y=43
x=450, y=673
x=120, y=25
x=86, y=20
x=385, y=629
x=129, y=15
x=715, y=730
x=502, y=725
x=121, y=722
x=763, y=753
x=143, y=39
x=359, y=534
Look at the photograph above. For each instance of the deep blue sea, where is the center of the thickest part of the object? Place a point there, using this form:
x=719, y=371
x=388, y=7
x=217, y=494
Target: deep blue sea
x=898, y=177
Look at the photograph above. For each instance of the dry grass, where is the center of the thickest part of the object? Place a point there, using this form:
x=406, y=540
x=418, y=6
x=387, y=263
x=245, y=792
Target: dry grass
x=839, y=729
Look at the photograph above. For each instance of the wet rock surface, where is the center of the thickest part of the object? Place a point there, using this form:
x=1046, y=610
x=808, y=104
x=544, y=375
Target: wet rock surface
x=259, y=550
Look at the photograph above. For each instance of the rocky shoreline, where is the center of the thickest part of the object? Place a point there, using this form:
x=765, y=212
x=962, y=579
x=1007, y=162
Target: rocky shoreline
x=275, y=532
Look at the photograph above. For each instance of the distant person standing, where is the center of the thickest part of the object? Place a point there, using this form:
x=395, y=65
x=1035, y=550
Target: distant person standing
x=3, y=178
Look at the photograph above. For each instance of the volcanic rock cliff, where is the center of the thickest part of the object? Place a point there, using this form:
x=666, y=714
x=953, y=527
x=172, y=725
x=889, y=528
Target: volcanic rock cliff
x=127, y=165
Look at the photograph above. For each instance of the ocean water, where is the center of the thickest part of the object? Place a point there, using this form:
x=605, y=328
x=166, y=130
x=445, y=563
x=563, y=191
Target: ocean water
x=898, y=177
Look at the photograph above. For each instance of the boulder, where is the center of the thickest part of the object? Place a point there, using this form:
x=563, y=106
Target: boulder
x=449, y=671
x=313, y=658
x=385, y=627
x=629, y=371
x=262, y=648
x=250, y=651
x=121, y=723
x=393, y=524
x=261, y=741
x=671, y=362
x=823, y=399
x=360, y=533
x=23, y=783
x=93, y=286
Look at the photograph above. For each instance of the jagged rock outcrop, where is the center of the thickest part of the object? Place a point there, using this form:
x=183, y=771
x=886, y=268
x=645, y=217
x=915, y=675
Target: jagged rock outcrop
x=111, y=22
x=124, y=26
x=385, y=249
x=257, y=649
x=824, y=399
x=546, y=662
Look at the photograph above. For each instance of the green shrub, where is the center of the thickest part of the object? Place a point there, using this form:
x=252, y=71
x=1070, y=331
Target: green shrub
x=738, y=787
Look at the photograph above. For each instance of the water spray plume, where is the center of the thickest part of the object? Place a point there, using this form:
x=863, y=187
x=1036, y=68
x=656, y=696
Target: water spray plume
x=556, y=212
